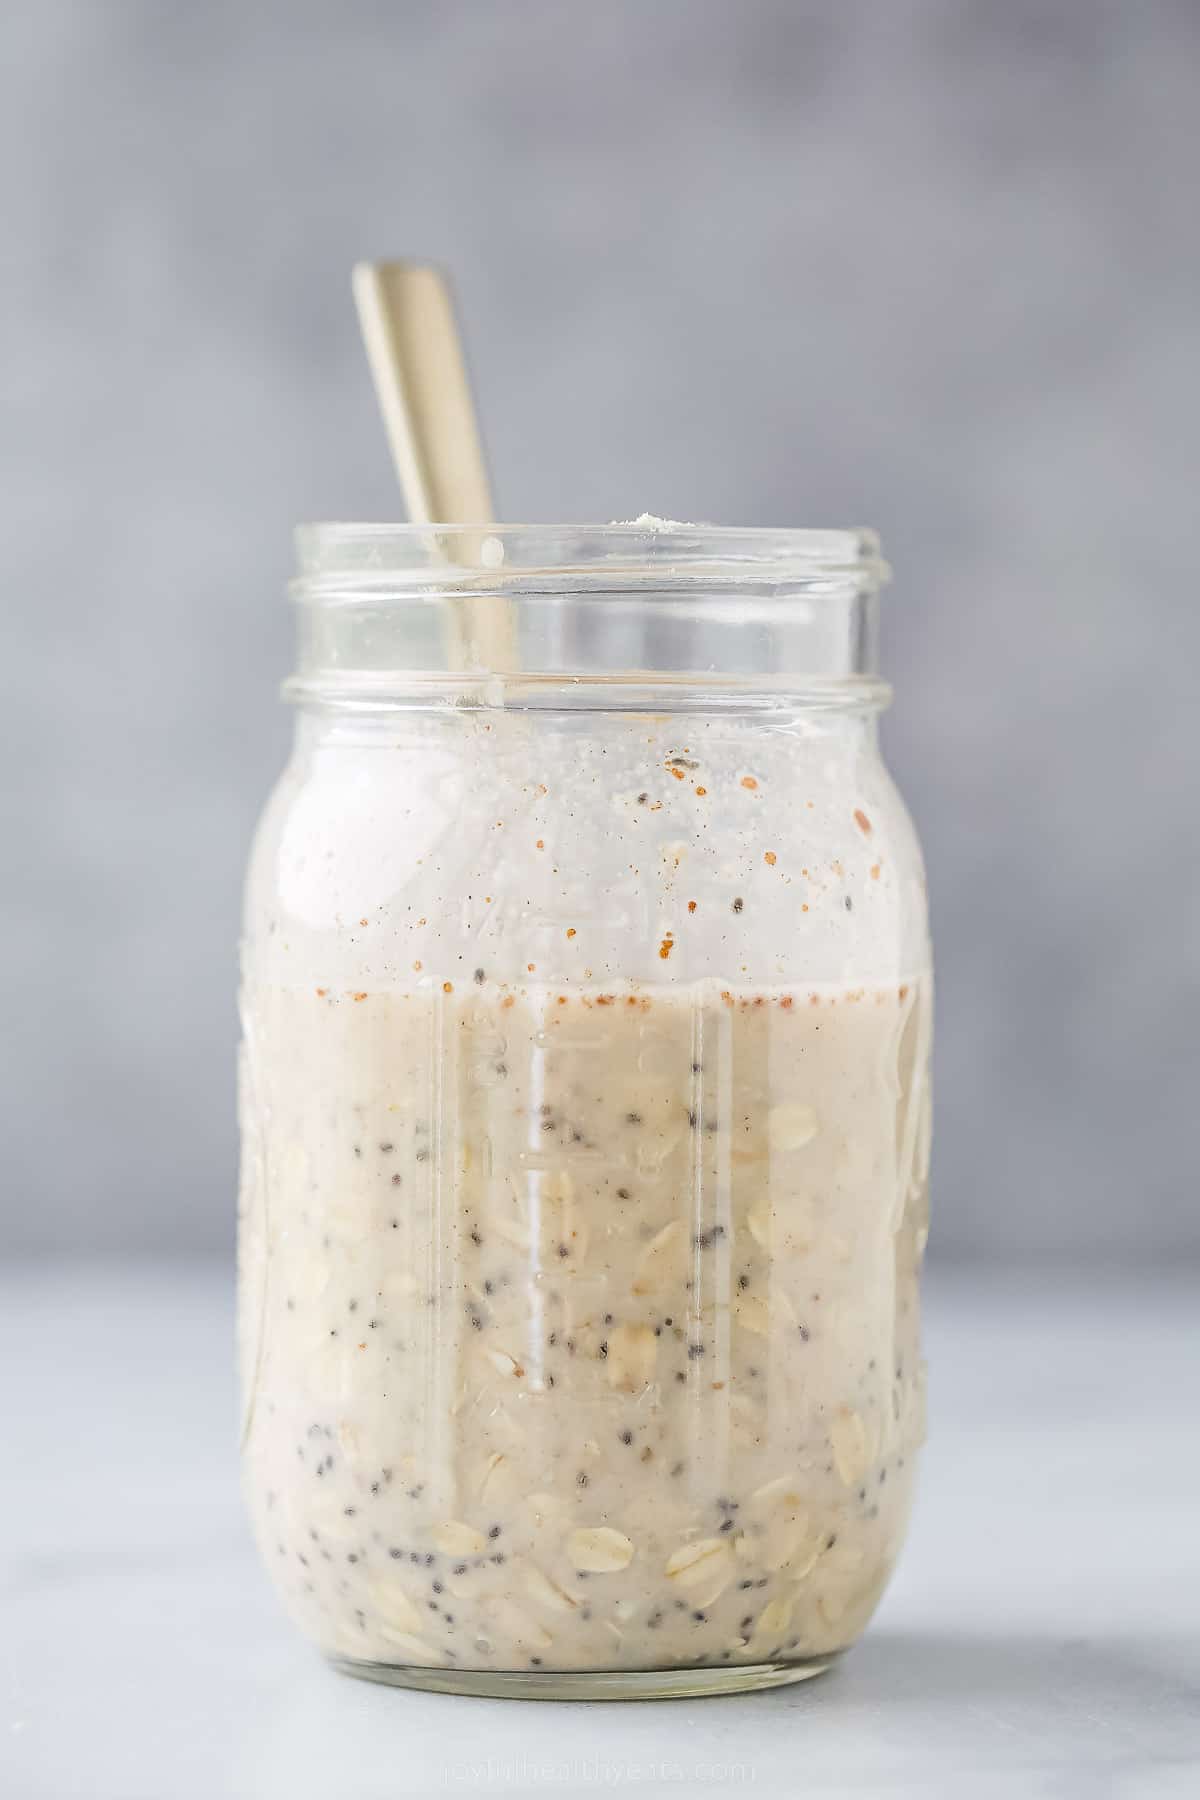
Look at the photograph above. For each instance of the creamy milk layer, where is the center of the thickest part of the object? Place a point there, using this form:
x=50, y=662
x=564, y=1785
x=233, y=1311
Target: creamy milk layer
x=580, y=1328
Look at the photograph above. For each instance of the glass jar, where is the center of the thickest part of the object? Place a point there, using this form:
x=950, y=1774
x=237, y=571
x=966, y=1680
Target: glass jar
x=585, y=1100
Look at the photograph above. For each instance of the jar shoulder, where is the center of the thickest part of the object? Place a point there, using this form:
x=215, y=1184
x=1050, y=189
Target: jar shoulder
x=593, y=853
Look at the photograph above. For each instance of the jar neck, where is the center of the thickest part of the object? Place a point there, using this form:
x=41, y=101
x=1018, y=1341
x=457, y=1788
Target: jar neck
x=593, y=618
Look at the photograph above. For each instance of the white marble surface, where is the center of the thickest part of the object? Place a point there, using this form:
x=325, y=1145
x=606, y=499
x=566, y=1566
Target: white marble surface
x=1041, y=1638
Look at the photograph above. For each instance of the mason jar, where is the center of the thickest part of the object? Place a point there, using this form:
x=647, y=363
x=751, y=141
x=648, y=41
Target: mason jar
x=585, y=1105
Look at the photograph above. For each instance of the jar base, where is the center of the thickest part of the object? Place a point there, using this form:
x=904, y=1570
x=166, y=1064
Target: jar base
x=588, y=1684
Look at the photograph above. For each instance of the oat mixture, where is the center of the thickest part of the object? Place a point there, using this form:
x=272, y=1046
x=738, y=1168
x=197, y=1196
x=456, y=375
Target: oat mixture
x=580, y=1326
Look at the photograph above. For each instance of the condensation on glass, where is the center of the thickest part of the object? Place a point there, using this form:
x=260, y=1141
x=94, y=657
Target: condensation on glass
x=585, y=1102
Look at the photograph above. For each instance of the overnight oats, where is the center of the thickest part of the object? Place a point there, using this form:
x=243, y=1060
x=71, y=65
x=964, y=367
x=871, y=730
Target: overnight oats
x=585, y=1098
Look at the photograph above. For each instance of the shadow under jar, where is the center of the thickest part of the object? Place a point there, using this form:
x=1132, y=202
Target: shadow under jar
x=585, y=1105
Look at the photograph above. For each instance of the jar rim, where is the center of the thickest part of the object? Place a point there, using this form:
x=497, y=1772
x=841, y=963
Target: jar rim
x=335, y=554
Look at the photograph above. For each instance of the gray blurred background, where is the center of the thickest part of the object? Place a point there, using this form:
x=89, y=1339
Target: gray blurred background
x=927, y=265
